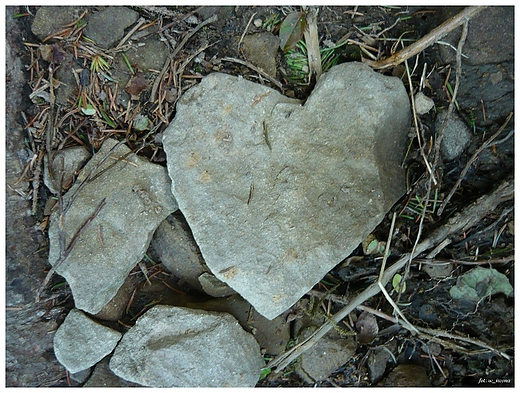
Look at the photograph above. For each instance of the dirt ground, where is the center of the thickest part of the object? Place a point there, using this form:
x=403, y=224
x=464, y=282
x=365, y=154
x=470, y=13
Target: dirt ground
x=446, y=360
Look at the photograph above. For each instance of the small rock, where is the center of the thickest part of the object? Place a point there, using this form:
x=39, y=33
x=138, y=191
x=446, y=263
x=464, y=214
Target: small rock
x=80, y=342
x=137, y=199
x=73, y=160
x=457, y=136
x=150, y=56
x=257, y=22
x=328, y=354
x=50, y=20
x=178, y=347
x=276, y=193
x=423, y=104
x=173, y=243
x=107, y=27
x=261, y=50
x=272, y=335
x=213, y=286
x=377, y=362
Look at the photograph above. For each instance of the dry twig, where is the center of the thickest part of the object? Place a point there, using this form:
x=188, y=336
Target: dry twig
x=426, y=41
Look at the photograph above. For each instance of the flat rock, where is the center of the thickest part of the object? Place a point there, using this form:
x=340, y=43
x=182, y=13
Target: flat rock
x=179, y=347
x=277, y=193
x=107, y=27
x=137, y=199
x=79, y=342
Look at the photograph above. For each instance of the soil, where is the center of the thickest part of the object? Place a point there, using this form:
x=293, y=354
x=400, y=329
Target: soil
x=426, y=302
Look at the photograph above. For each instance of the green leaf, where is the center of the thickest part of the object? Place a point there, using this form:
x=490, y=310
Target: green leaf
x=396, y=283
x=265, y=372
x=88, y=110
x=291, y=30
x=479, y=283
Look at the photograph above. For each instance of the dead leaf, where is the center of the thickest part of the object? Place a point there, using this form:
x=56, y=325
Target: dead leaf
x=367, y=328
x=136, y=84
x=291, y=30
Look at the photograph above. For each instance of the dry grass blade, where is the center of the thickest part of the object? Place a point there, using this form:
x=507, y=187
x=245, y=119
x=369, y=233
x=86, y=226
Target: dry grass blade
x=426, y=41
x=312, y=43
x=256, y=69
x=465, y=220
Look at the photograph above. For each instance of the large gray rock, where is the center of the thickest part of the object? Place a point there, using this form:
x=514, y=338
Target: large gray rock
x=175, y=346
x=137, y=199
x=277, y=193
x=79, y=342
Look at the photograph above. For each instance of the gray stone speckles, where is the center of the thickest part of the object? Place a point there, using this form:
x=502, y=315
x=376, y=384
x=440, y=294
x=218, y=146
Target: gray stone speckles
x=137, y=198
x=457, y=135
x=80, y=342
x=178, y=347
x=107, y=27
x=277, y=193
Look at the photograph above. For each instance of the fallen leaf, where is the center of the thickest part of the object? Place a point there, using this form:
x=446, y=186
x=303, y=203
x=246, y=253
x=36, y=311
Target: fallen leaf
x=479, y=283
x=136, y=84
x=367, y=328
x=291, y=30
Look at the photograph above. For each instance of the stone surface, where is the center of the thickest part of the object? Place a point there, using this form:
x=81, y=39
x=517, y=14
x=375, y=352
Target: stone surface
x=107, y=27
x=80, y=342
x=179, y=347
x=277, y=193
x=173, y=243
x=457, y=136
x=137, y=199
x=73, y=158
x=50, y=20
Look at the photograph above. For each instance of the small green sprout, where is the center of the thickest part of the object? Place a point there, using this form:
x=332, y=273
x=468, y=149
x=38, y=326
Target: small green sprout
x=99, y=64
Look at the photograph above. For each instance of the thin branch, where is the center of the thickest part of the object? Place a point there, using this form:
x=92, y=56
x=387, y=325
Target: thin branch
x=256, y=69
x=426, y=41
x=153, y=94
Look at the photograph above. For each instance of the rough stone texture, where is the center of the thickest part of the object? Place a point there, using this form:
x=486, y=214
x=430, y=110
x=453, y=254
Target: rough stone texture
x=213, y=286
x=49, y=20
x=151, y=55
x=457, y=136
x=261, y=49
x=173, y=243
x=175, y=346
x=107, y=27
x=80, y=342
x=276, y=193
x=73, y=158
x=137, y=199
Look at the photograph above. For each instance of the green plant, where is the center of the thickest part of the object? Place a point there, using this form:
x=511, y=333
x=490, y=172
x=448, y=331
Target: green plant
x=98, y=64
x=298, y=63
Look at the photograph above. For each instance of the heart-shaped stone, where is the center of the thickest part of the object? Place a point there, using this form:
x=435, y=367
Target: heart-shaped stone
x=277, y=193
